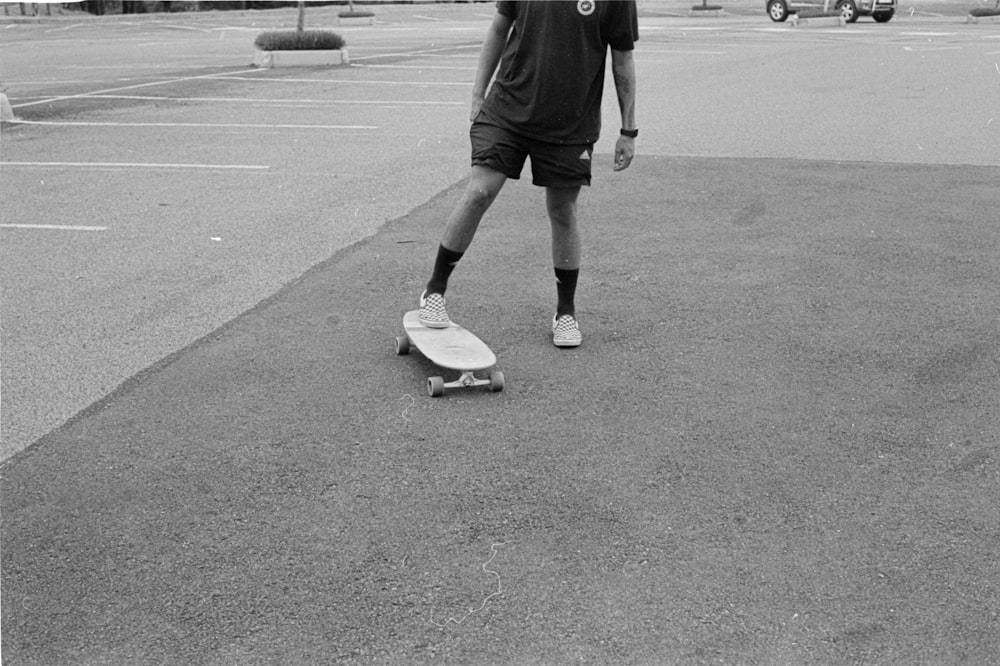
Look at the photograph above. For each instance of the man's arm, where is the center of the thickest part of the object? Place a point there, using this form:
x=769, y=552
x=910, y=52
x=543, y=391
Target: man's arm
x=623, y=70
x=489, y=58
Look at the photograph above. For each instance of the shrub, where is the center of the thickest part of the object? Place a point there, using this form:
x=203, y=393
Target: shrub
x=299, y=40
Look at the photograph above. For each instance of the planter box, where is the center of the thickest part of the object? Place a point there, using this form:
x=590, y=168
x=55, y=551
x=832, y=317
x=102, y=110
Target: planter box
x=707, y=10
x=317, y=58
x=356, y=20
x=817, y=21
x=984, y=15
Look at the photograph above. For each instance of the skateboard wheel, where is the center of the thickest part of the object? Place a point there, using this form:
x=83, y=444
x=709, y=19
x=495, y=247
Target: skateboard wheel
x=435, y=386
x=496, y=381
x=402, y=345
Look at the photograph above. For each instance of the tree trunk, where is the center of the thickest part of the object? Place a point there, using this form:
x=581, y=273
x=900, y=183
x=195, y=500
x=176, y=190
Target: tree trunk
x=302, y=15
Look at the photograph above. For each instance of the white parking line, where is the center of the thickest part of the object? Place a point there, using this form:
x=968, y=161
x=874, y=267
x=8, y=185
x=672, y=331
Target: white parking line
x=135, y=165
x=177, y=26
x=57, y=123
x=359, y=82
x=462, y=68
x=422, y=52
x=71, y=26
x=49, y=82
x=305, y=103
x=681, y=52
x=930, y=49
x=143, y=67
x=50, y=100
x=57, y=227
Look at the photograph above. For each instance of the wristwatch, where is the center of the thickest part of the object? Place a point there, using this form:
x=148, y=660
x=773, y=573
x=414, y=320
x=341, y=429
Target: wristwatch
x=632, y=133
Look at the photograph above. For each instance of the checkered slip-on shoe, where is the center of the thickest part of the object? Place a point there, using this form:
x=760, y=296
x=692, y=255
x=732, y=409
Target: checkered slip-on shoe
x=432, y=311
x=566, y=332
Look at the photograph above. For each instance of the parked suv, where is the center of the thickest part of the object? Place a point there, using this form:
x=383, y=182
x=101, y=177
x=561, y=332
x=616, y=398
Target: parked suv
x=880, y=10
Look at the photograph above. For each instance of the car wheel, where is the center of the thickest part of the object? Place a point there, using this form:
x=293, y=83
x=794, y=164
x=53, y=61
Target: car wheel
x=883, y=17
x=777, y=10
x=848, y=11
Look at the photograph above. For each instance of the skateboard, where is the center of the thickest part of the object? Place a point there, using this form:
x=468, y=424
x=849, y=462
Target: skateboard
x=454, y=348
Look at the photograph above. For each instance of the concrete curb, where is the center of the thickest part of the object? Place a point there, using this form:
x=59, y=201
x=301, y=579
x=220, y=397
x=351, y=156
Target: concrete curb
x=356, y=20
x=817, y=22
x=6, y=111
x=711, y=10
x=982, y=18
x=308, y=58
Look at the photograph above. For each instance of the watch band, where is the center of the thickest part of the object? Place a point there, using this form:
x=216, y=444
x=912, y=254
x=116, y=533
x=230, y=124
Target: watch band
x=630, y=133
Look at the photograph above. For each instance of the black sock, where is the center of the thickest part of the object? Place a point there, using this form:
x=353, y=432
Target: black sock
x=443, y=266
x=566, y=287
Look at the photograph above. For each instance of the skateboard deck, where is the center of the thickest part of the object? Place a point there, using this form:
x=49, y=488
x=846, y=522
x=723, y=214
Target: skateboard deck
x=454, y=348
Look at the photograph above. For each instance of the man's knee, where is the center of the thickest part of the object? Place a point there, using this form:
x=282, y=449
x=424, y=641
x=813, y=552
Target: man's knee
x=563, y=218
x=480, y=197
x=562, y=207
x=483, y=189
x=481, y=192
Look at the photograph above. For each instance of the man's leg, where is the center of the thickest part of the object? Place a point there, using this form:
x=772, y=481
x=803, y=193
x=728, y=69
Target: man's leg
x=484, y=185
x=566, y=254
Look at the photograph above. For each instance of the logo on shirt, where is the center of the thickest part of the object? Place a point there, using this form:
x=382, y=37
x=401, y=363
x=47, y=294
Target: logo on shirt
x=586, y=7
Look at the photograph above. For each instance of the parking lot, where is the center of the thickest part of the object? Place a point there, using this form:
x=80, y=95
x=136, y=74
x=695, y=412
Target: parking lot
x=160, y=194
x=163, y=138
x=158, y=134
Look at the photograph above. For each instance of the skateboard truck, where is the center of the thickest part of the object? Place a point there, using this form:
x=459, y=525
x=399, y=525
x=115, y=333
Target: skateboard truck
x=437, y=385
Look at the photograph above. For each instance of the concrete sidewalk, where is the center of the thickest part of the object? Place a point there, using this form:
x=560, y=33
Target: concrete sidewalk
x=778, y=444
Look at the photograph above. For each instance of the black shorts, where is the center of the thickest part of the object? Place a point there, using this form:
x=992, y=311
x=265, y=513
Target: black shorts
x=552, y=164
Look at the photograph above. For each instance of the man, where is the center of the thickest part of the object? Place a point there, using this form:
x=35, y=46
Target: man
x=544, y=104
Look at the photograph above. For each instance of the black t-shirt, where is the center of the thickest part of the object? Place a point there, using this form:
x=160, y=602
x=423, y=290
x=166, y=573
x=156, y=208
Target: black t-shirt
x=550, y=80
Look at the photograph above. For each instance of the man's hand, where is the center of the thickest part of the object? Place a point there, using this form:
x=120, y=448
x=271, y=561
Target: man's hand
x=477, y=104
x=624, y=152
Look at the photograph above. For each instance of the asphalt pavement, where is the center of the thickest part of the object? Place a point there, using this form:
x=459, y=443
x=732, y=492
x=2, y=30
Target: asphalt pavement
x=777, y=444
